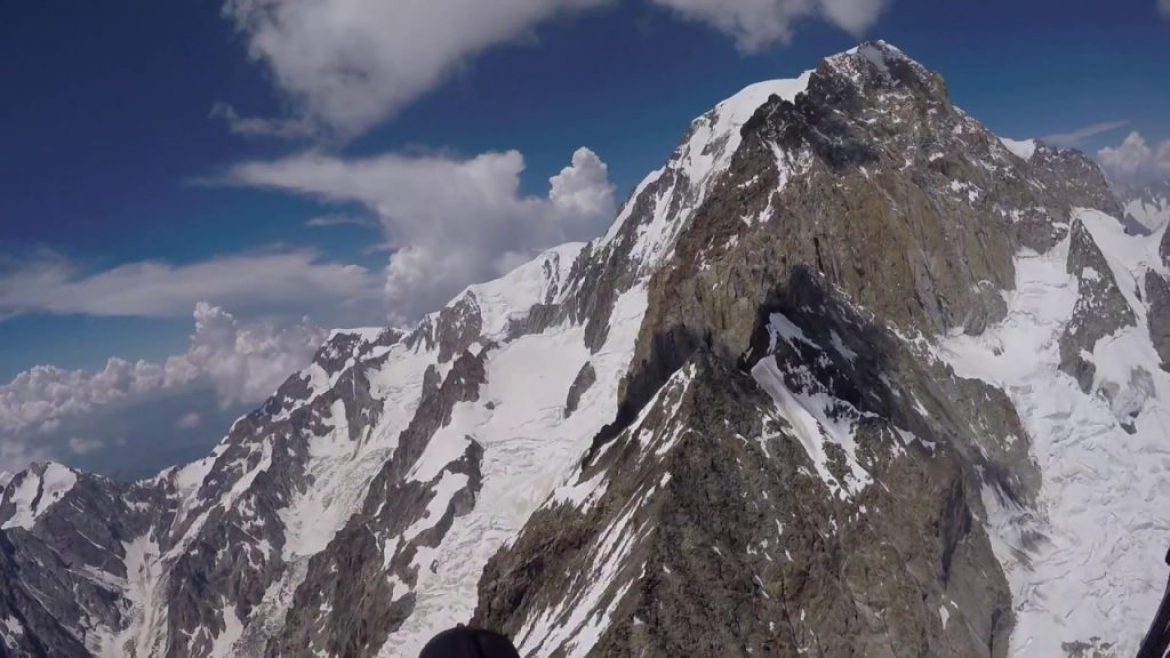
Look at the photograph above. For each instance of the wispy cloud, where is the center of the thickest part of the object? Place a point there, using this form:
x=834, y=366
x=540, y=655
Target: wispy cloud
x=188, y=421
x=1079, y=136
x=1164, y=7
x=80, y=445
x=16, y=454
x=293, y=282
x=326, y=221
x=290, y=128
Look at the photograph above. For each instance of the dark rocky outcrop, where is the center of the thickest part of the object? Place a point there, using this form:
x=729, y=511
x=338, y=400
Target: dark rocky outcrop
x=904, y=203
x=1164, y=248
x=1101, y=308
x=585, y=378
x=1158, y=297
x=733, y=545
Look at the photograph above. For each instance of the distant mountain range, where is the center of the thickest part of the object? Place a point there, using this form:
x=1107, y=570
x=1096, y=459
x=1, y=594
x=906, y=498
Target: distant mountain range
x=1149, y=204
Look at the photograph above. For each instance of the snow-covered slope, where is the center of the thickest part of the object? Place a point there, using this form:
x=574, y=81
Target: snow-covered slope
x=34, y=491
x=1023, y=149
x=1084, y=562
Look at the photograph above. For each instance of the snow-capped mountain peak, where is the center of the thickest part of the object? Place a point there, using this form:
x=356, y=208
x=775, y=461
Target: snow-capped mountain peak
x=32, y=492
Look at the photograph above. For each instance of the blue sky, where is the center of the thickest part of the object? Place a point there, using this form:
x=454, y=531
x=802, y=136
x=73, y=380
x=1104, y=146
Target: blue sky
x=113, y=156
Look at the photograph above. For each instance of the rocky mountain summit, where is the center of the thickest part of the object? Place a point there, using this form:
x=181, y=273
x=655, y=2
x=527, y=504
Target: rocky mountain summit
x=849, y=375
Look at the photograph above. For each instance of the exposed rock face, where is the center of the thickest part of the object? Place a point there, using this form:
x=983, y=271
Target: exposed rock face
x=1164, y=248
x=713, y=534
x=1101, y=308
x=1158, y=291
x=585, y=378
x=30, y=629
x=730, y=426
x=874, y=179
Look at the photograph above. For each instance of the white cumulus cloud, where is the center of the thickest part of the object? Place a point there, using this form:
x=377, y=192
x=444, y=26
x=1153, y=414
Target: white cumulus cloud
x=247, y=362
x=1135, y=161
x=348, y=64
x=243, y=362
x=41, y=396
x=453, y=221
x=758, y=24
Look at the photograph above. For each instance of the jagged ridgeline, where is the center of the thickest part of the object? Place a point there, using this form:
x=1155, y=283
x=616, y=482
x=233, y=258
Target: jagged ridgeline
x=848, y=376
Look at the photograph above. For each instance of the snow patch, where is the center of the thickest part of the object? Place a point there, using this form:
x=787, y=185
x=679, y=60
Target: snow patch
x=578, y=621
x=512, y=296
x=1022, y=149
x=11, y=630
x=223, y=645
x=806, y=412
x=444, y=491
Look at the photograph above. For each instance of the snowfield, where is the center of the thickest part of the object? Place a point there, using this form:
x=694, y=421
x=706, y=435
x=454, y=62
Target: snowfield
x=1088, y=563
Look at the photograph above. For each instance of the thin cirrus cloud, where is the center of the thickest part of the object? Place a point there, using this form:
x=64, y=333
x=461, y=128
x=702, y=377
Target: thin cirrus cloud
x=1078, y=137
x=292, y=281
x=452, y=221
x=327, y=221
x=261, y=127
